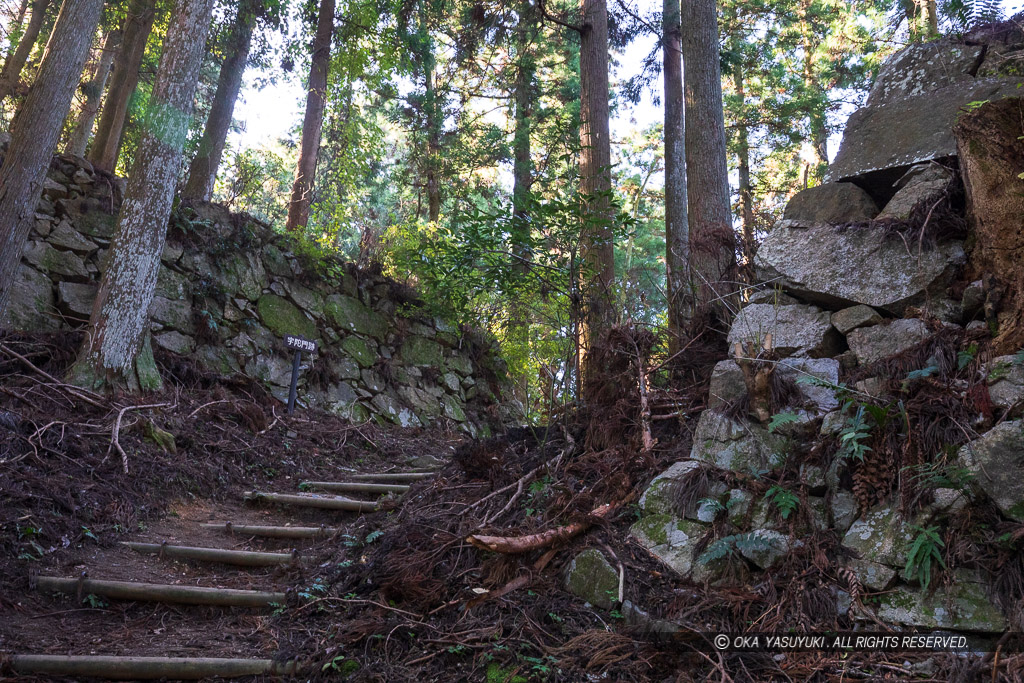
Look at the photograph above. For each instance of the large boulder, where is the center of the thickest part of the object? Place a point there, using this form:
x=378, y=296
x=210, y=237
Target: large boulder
x=831, y=203
x=838, y=268
x=879, y=341
x=1006, y=382
x=924, y=182
x=853, y=317
x=961, y=605
x=797, y=330
x=881, y=536
x=727, y=385
x=735, y=445
x=998, y=468
x=922, y=68
x=30, y=306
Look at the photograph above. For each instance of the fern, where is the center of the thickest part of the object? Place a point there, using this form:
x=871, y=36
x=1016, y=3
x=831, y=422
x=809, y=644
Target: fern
x=924, y=551
x=727, y=545
x=939, y=476
x=780, y=419
x=785, y=500
x=923, y=372
x=965, y=358
x=853, y=436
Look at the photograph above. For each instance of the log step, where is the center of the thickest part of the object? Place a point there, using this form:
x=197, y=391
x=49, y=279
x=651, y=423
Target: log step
x=354, y=487
x=158, y=592
x=313, y=501
x=244, y=558
x=147, y=668
x=392, y=477
x=273, y=531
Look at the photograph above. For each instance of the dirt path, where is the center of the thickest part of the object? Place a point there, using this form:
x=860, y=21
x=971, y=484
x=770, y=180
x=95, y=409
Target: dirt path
x=41, y=622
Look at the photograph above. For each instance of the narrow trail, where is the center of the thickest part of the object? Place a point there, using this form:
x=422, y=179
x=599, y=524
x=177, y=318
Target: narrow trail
x=191, y=596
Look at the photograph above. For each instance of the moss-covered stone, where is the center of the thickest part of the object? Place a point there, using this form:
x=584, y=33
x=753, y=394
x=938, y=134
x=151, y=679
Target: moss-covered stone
x=657, y=499
x=671, y=539
x=161, y=437
x=591, y=577
x=283, y=317
x=422, y=352
x=453, y=410
x=347, y=313
x=962, y=606
x=359, y=351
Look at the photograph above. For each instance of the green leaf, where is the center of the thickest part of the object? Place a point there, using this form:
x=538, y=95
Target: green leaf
x=780, y=419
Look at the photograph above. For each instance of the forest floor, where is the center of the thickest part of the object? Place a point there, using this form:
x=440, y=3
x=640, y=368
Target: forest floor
x=395, y=595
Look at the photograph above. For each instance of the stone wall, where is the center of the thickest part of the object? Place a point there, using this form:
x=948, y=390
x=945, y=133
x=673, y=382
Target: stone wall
x=230, y=288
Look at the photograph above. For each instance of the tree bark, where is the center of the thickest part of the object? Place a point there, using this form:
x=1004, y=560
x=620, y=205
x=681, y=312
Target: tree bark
x=15, y=62
x=433, y=145
x=677, y=241
x=743, y=168
x=312, y=123
x=36, y=129
x=93, y=95
x=817, y=122
x=107, y=143
x=523, y=97
x=203, y=171
x=116, y=351
x=991, y=157
x=595, y=179
x=712, y=243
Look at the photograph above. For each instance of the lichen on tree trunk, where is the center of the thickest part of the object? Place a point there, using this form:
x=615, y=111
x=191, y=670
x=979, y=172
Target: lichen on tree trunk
x=991, y=161
x=116, y=352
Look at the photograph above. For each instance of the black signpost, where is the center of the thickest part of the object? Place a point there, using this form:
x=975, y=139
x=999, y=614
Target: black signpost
x=300, y=344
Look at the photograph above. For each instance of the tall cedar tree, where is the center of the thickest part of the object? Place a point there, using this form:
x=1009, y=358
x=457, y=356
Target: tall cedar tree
x=595, y=178
x=712, y=250
x=677, y=244
x=15, y=62
x=202, y=172
x=313, y=121
x=116, y=352
x=36, y=130
x=106, y=145
x=93, y=95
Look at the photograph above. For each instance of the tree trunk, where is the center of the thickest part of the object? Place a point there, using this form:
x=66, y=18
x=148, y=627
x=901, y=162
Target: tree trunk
x=712, y=243
x=93, y=95
x=745, y=190
x=312, y=123
x=677, y=243
x=523, y=95
x=203, y=171
x=107, y=143
x=15, y=62
x=595, y=179
x=116, y=351
x=36, y=129
x=991, y=157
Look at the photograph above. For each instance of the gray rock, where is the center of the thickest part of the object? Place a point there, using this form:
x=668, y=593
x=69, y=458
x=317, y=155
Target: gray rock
x=453, y=410
x=175, y=341
x=874, y=343
x=727, y=385
x=271, y=368
x=390, y=408
x=854, y=266
x=171, y=284
x=591, y=577
x=851, y=318
x=765, y=547
x=873, y=576
x=948, y=501
x=962, y=606
x=55, y=262
x=976, y=325
x=242, y=274
x=672, y=540
x=66, y=237
x=30, y=306
x=341, y=393
x=174, y=313
x=305, y=298
x=796, y=330
x=831, y=203
x=998, y=469
x=738, y=505
x=423, y=403
x=54, y=190
x=923, y=182
x=882, y=536
x=766, y=295
x=347, y=313
x=921, y=68
x=910, y=130
x=172, y=252
x=973, y=299
x=736, y=446
x=843, y=509
x=1005, y=382
x=657, y=498
x=76, y=299
x=813, y=478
